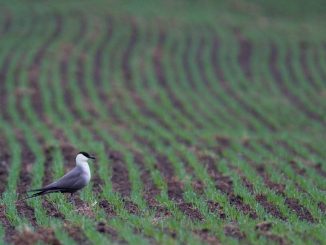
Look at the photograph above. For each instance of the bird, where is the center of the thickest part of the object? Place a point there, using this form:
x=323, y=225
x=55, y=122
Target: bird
x=74, y=180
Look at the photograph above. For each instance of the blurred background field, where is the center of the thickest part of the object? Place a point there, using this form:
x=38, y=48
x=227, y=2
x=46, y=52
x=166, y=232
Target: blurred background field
x=207, y=119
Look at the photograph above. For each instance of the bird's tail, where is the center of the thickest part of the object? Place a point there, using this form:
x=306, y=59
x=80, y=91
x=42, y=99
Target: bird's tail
x=44, y=191
x=40, y=193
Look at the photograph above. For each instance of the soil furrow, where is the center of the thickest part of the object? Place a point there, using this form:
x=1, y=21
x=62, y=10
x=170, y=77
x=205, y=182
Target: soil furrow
x=65, y=58
x=9, y=229
x=225, y=185
x=76, y=233
x=35, y=68
x=206, y=236
x=269, y=207
x=150, y=189
x=293, y=203
x=25, y=179
x=128, y=79
x=261, y=198
x=244, y=56
x=172, y=55
x=127, y=70
x=5, y=67
x=7, y=24
x=80, y=72
x=273, y=61
x=161, y=77
x=316, y=60
x=230, y=91
x=219, y=74
x=120, y=180
x=98, y=59
x=303, y=47
x=203, y=75
x=176, y=188
x=5, y=160
x=120, y=175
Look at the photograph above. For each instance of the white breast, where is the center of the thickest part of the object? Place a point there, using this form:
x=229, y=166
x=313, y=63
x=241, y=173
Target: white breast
x=86, y=171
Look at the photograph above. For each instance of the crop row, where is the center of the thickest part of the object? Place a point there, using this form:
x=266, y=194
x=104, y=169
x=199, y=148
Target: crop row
x=200, y=132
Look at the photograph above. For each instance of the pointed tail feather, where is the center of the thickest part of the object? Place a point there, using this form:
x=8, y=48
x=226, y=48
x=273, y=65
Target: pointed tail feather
x=34, y=195
x=40, y=189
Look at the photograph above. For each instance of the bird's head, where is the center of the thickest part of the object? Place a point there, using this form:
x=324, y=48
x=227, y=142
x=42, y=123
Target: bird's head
x=83, y=157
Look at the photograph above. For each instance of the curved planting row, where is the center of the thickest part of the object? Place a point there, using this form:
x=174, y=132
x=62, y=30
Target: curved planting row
x=202, y=134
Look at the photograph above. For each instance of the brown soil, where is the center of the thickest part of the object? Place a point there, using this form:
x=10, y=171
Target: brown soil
x=190, y=210
x=273, y=61
x=35, y=67
x=65, y=56
x=277, y=187
x=225, y=185
x=131, y=207
x=5, y=159
x=160, y=75
x=216, y=208
x=121, y=182
x=172, y=55
x=127, y=71
x=80, y=70
x=233, y=230
x=51, y=210
x=150, y=190
x=104, y=228
x=320, y=169
x=302, y=212
x=322, y=207
x=244, y=56
x=189, y=73
x=264, y=228
x=206, y=236
x=248, y=184
x=230, y=91
x=261, y=198
x=297, y=169
x=29, y=237
x=76, y=233
x=120, y=175
x=98, y=58
x=27, y=158
x=223, y=141
x=198, y=186
x=269, y=207
x=108, y=208
x=305, y=67
x=10, y=231
x=175, y=188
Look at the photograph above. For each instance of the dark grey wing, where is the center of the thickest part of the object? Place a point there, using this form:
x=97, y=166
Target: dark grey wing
x=68, y=181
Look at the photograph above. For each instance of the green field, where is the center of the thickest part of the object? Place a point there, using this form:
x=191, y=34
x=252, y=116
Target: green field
x=207, y=118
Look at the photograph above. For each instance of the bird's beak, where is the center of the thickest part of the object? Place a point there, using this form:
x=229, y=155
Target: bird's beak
x=92, y=157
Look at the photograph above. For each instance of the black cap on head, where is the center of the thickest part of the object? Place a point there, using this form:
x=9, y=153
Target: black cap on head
x=86, y=154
